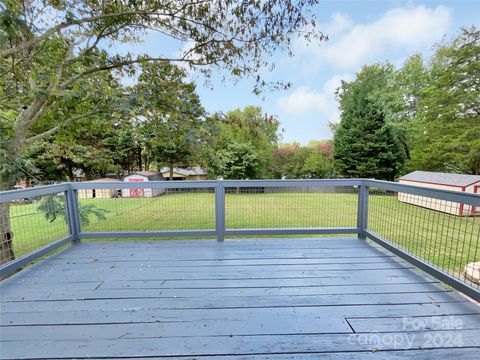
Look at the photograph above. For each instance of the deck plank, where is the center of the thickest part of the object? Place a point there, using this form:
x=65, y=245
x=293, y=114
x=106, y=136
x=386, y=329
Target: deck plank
x=270, y=299
x=225, y=345
x=108, y=291
x=414, y=354
x=229, y=301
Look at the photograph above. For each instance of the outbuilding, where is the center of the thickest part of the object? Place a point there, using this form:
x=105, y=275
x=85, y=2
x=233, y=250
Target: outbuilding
x=193, y=173
x=100, y=193
x=143, y=176
x=444, y=181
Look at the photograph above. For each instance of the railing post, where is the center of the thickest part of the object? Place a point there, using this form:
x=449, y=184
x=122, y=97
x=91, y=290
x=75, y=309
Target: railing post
x=220, y=210
x=73, y=218
x=362, y=212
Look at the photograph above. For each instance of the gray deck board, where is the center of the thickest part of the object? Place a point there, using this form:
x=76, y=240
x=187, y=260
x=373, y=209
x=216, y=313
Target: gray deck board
x=265, y=299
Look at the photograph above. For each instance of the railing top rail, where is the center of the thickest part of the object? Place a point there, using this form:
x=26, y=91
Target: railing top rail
x=441, y=194
x=292, y=183
x=11, y=195
x=184, y=184
x=215, y=183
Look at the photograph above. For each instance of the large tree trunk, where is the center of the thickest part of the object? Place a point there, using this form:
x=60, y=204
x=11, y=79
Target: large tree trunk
x=6, y=246
x=171, y=172
x=13, y=150
x=70, y=172
x=6, y=236
x=139, y=158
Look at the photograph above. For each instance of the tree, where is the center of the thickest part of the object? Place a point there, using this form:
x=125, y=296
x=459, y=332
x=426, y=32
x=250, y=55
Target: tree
x=448, y=128
x=50, y=47
x=170, y=113
x=248, y=126
x=317, y=166
x=401, y=95
x=96, y=145
x=51, y=52
x=365, y=145
x=236, y=161
x=284, y=162
x=314, y=161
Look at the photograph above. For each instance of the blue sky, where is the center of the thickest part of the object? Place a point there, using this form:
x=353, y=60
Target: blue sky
x=361, y=32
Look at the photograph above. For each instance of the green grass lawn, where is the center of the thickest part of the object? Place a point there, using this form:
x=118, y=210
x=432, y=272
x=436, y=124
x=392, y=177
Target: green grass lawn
x=447, y=241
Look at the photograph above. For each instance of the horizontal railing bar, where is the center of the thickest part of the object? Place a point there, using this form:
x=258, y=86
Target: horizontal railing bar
x=448, y=195
x=292, y=183
x=145, y=234
x=290, y=231
x=437, y=273
x=24, y=260
x=210, y=184
x=233, y=232
x=193, y=184
x=441, y=194
x=11, y=195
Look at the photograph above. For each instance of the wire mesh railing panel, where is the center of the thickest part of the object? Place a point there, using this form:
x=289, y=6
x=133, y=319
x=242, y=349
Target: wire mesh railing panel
x=310, y=207
x=28, y=224
x=136, y=209
x=444, y=234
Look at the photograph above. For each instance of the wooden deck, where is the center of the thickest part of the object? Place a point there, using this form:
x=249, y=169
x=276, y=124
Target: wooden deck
x=276, y=299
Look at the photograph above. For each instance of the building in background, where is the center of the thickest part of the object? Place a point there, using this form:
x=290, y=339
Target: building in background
x=443, y=181
x=100, y=193
x=143, y=176
x=193, y=173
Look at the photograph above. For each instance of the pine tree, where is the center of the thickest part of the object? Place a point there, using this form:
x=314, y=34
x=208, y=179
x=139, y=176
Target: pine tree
x=365, y=145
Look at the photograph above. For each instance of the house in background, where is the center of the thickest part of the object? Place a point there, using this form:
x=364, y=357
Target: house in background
x=193, y=173
x=143, y=176
x=100, y=193
x=443, y=181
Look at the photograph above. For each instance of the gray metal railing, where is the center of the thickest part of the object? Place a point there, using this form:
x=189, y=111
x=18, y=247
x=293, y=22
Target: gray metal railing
x=419, y=224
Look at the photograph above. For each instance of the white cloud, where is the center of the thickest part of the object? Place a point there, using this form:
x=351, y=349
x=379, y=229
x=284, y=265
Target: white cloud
x=338, y=24
x=410, y=28
x=302, y=100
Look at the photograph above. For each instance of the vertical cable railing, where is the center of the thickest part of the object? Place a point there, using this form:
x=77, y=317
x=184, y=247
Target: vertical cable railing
x=437, y=230
x=33, y=223
x=266, y=207
x=430, y=228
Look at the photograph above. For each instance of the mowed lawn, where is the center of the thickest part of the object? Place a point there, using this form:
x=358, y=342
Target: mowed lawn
x=447, y=241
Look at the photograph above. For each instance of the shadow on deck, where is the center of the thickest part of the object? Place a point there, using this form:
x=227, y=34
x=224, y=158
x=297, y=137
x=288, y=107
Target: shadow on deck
x=342, y=298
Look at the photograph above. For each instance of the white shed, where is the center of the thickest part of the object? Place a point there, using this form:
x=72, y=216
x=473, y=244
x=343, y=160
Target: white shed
x=100, y=193
x=143, y=176
x=444, y=181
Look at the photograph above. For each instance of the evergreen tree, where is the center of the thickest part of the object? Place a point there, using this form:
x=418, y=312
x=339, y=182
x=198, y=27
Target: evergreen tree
x=365, y=145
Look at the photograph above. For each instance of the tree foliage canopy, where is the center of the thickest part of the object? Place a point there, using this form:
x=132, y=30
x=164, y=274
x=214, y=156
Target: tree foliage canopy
x=54, y=54
x=448, y=127
x=249, y=132
x=170, y=113
x=365, y=144
x=292, y=161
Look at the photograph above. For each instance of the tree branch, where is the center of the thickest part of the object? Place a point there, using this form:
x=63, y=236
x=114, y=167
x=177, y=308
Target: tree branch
x=53, y=130
x=120, y=64
x=27, y=44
